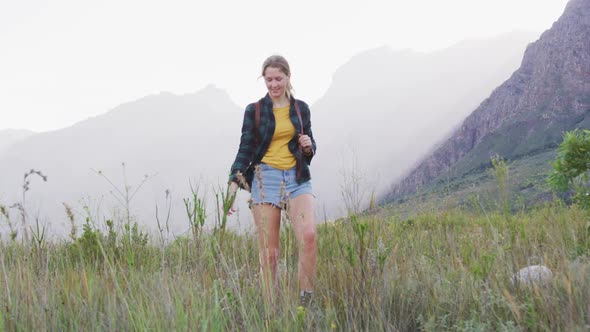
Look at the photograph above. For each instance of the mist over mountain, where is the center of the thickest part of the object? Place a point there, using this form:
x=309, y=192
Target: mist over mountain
x=170, y=138
x=528, y=113
x=11, y=136
x=384, y=110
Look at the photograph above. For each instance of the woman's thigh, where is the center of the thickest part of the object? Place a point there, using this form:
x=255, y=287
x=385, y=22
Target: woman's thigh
x=267, y=218
x=301, y=214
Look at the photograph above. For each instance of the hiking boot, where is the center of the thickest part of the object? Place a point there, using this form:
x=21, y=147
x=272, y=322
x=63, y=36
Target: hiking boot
x=305, y=298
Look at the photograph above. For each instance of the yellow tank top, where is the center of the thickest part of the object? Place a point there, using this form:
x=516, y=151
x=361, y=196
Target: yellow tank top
x=278, y=154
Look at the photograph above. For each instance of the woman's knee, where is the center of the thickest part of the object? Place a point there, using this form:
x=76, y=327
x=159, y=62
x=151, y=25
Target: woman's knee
x=270, y=255
x=309, y=237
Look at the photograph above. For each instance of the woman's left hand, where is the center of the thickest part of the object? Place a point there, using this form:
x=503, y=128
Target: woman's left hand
x=305, y=143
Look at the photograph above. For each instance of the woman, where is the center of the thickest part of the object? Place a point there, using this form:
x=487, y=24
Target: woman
x=278, y=144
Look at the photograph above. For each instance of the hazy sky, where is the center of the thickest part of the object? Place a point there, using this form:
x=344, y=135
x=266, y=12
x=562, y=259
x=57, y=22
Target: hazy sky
x=62, y=61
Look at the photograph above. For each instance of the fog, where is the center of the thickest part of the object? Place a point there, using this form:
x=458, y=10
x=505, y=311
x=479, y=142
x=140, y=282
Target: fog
x=63, y=61
x=383, y=111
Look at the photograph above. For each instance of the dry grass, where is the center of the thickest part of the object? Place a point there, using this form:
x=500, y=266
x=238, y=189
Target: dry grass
x=443, y=271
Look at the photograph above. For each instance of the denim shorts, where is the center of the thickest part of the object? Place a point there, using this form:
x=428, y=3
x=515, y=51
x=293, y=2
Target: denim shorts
x=277, y=186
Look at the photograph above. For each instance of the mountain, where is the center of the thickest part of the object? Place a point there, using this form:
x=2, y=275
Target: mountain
x=11, y=136
x=385, y=109
x=171, y=138
x=524, y=116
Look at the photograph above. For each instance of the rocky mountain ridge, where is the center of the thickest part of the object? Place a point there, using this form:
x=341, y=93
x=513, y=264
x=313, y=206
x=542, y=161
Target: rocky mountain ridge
x=194, y=137
x=550, y=89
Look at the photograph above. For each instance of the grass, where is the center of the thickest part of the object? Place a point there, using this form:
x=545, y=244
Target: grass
x=526, y=186
x=446, y=270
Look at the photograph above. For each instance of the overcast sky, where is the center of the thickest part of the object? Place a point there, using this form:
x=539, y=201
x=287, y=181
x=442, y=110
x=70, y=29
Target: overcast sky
x=62, y=61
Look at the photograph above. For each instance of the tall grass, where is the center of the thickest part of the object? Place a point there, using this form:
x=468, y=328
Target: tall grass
x=440, y=271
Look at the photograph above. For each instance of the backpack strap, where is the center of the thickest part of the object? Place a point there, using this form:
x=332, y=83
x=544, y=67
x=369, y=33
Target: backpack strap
x=299, y=116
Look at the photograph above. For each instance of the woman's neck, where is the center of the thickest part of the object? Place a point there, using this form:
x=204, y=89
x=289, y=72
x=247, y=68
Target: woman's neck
x=280, y=102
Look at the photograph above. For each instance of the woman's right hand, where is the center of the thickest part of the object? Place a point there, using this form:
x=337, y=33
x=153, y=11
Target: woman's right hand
x=233, y=187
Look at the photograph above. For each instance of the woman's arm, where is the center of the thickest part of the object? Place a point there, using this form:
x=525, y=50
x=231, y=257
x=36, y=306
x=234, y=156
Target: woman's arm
x=247, y=145
x=307, y=131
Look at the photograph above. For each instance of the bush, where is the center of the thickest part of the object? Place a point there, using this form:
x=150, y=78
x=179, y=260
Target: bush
x=572, y=165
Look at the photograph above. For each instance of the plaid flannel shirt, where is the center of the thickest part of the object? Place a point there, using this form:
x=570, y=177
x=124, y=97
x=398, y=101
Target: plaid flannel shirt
x=251, y=153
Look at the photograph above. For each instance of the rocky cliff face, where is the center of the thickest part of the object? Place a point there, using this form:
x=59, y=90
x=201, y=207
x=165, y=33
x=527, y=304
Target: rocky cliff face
x=412, y=100
x=552, y=85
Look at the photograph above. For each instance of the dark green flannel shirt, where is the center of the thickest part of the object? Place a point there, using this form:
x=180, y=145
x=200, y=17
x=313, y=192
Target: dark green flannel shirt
x=251, y=153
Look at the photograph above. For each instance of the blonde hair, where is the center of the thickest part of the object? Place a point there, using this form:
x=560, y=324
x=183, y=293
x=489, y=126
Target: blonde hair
x=278, y=61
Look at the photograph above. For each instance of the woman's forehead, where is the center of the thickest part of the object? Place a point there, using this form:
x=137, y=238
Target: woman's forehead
x=273, y=71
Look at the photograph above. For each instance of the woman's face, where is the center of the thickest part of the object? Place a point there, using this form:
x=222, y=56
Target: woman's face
x=276, y=82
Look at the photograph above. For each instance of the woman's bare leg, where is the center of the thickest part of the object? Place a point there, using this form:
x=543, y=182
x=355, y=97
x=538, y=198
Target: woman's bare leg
x=301, y=214
x=268, y=222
